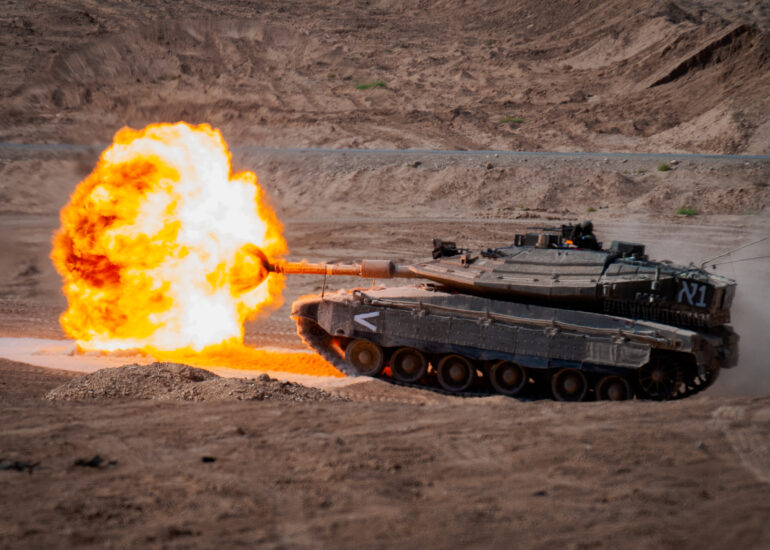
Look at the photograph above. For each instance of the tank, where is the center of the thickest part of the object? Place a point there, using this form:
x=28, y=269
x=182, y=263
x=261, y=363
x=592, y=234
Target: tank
x=553, y=315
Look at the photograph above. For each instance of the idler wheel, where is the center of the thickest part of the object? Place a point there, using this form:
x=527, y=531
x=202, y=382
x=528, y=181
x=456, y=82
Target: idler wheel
x=659, y=379
x=455, y=373
x=614, y=388
x=507, y=378
x=366, y=357
x=569, y=385
x=408, y=365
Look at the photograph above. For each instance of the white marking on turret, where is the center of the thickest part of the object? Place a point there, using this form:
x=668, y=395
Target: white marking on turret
x=361, y=319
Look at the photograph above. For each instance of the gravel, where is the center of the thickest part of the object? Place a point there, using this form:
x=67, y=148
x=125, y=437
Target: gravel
x=178, y=382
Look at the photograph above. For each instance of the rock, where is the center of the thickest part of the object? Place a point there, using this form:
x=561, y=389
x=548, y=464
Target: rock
x=18, y=465
x=95, y=461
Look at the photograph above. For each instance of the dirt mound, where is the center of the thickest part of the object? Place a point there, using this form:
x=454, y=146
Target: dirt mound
x=177, y=382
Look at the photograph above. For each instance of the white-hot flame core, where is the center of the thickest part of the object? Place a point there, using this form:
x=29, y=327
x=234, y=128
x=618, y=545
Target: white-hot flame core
x=184, y=238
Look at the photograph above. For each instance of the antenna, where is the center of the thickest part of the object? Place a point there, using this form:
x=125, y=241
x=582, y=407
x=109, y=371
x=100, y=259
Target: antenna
x=734, y=250
x=741, y=260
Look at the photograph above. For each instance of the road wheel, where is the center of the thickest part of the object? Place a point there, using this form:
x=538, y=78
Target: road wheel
x=569, y=385
x=507, y=378
x=455, y=373
x=408, y=365
x=614, y=388
x=659, y=379
x=366, y=357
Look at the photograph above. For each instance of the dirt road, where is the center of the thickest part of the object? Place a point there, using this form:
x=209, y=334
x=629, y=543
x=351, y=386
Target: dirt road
x=485, y=473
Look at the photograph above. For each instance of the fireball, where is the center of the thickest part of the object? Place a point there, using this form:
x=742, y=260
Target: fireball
x=161, y=246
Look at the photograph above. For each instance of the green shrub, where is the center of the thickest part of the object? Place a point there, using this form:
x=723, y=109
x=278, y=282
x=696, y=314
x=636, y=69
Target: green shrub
x=510, y=120
x=591, y=209
x=369, y=85
x=663, y=167
x=687, y=211
x=331, y=76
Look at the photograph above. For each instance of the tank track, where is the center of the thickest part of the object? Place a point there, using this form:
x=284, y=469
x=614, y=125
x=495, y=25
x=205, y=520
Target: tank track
x=696, y=384
x=320, y=341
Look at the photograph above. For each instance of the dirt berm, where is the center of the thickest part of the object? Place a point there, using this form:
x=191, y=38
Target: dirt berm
x=623, y=75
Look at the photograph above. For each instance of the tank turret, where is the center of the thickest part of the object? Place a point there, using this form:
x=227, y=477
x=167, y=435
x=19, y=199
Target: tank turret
x=548, y=268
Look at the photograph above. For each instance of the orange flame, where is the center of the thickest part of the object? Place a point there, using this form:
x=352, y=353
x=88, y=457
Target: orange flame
x=158, y=246
x=247, y=358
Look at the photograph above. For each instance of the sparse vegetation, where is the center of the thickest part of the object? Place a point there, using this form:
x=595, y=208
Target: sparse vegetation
x=641, y=171
x=591, y=209
x=331, y=76
x=510, y=120
x=369, y=85
x=663, y=167
x=750, y=212
x=687, y=211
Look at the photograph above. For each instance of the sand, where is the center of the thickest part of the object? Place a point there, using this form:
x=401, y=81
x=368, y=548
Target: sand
x=478, y=473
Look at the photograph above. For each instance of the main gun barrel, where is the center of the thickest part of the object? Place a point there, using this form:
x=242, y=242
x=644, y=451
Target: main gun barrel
x=368, y=269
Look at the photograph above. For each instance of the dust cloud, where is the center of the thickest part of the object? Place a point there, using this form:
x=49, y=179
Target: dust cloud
x=751, y=320
x=684, y=244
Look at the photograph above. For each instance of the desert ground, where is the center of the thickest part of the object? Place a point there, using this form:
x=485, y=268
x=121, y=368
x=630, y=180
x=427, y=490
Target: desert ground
x=170, y=456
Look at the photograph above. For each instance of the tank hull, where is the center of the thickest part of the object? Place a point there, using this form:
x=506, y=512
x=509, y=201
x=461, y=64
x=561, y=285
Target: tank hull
x=538, y=342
